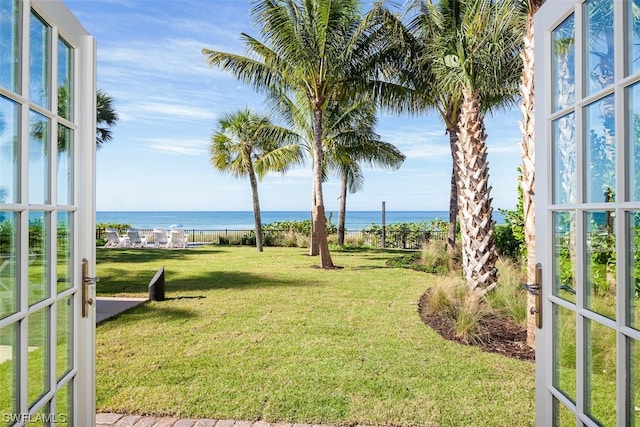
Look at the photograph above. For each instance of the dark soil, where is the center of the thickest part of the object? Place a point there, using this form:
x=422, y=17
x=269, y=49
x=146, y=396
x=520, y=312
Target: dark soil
x=500, y=335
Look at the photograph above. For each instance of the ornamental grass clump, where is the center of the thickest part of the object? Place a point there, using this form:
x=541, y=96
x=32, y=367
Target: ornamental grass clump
x=469, y=321
x=437, y=259
x=463, y=311
x=508, y=299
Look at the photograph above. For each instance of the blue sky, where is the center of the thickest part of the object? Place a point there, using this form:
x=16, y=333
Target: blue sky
x=168, y=100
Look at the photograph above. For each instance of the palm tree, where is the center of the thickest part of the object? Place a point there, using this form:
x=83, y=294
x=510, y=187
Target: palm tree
x=350, y=140
x=316, y=48
x=249, y=144
x=106, y=118
x=423, y=34
x=482, y=62
x=527, y=146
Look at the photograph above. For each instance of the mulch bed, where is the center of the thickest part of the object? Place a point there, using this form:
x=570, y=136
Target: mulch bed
x=502, y=336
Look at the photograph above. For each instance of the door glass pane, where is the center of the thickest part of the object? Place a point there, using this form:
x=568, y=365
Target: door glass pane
x=564, y=69
x=65, y=90
x=633, y=385
x=39, y=60
x=8, y=369
x=633, y=270
x=600, y=264
x=9, y=44
x=63, y=271
x=8, y=150
x=8, y=281
x=564, y=277
x=64, y=179
x=38, y=158
x=564, y=161
x=599, y=45
x=38, y=289
x=62, y=414
x=633, y=36
x=64, y=335
x=38, y=332
x=564, y=345
x=601, y=373
x=633, y=140
x=601, y=151
x=563, y=417
x=40, y=418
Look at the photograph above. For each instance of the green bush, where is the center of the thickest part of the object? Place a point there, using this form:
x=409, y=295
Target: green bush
x=102, y=226
x=406, y=235
x=507, y=244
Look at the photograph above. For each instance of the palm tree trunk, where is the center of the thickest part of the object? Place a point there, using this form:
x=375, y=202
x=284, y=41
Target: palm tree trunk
x=318, y=221
x=314, y=249
x=453, y=200
x=256, y=207
x=479, y=254
x=343, y=210
x=527, y=181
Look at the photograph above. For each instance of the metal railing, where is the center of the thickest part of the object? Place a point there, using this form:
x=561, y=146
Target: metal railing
x=393, y=239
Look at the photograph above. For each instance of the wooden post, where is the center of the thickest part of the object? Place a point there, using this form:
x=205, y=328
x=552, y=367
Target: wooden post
x=384, y=226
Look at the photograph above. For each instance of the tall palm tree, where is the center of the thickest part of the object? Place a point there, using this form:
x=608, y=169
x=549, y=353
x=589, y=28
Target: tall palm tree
x=318, y=49
x=527, y=146
x=430, y=25
x=106, y=118
x=351, y=140
x=424, y=32
x=248, y=144
x=482, y=62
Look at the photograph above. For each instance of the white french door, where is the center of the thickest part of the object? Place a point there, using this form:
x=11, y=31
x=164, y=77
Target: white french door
x=588, y=212
x=47, y=157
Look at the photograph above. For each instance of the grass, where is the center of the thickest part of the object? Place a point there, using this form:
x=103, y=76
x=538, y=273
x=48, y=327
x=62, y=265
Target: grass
x=265, y=336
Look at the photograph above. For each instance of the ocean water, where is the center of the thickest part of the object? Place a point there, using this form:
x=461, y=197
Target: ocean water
x=243, y=220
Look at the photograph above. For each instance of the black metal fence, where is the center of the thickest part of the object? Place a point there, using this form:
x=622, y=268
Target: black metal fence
x=393, y=239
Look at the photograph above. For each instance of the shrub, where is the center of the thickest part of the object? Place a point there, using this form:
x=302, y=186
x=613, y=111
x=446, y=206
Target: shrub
x=302, y=241
x=436, y=258
x=507, y=244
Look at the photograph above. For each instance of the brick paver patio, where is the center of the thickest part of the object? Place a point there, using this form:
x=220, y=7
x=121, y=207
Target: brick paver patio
x=121, y=420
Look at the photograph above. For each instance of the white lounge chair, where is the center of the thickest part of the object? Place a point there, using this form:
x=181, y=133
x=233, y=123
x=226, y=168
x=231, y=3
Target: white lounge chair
x=178, y=238
x=135, y=240
x=113, y=240
x=161, y=239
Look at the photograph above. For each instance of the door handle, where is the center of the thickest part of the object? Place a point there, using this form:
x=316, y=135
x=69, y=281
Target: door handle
x=86, y=281
x=536, y=290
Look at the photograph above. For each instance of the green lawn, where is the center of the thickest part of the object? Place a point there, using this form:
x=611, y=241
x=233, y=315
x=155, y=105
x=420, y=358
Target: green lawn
x=248, y=335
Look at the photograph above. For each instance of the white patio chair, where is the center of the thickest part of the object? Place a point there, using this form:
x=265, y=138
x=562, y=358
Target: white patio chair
x=113, y=240
x=161, y=239
x=135, y=240
x=178, y=238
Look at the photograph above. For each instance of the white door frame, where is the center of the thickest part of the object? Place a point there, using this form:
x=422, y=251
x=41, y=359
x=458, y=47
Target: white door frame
x=80, y=210
x=549, y=15
x=620, y=398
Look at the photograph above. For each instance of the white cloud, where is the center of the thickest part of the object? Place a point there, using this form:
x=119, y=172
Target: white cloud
x=187, y=147
x=172, y=111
